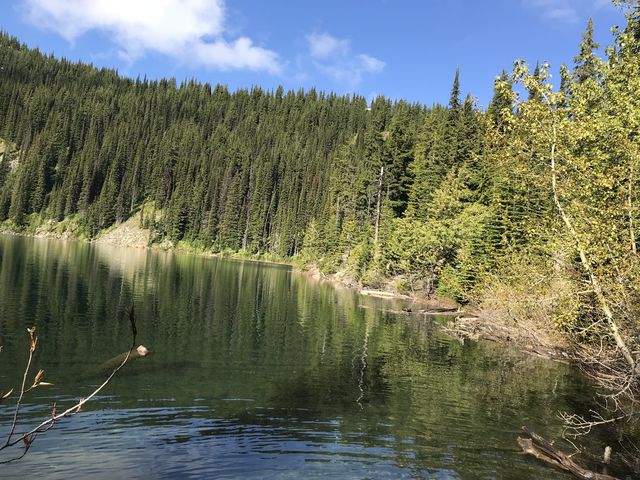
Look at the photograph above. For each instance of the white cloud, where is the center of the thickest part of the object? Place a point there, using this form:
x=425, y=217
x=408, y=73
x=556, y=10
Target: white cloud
x=370, y=64
x=334, y=58
x=323, y=45
x=554, y=9
x=191, y=31
x=569, y=11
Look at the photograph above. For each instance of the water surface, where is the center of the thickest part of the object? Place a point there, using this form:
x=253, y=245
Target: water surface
x=257, y=372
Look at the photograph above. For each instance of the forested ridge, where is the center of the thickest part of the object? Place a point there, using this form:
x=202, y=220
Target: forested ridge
x=527, y=209
x=275, y=172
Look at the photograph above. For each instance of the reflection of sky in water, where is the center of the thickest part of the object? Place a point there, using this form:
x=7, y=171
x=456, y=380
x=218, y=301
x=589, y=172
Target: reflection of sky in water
x=257, y=372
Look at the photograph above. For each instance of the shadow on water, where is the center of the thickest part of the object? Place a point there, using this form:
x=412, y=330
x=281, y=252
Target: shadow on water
x=257, y=372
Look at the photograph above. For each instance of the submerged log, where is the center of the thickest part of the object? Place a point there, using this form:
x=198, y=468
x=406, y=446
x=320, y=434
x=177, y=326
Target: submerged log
x=140, y=351
x=544, y=450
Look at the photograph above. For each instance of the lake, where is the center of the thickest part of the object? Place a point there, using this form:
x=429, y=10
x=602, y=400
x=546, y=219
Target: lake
x=257, y=372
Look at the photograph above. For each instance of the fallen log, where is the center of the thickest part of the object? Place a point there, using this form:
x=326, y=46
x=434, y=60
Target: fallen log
x=544, y=450
x=437, y=310
x=381, y=293
x=140, y=351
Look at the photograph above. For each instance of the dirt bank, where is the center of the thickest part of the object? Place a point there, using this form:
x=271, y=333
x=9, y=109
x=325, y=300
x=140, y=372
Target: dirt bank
x=126, y=234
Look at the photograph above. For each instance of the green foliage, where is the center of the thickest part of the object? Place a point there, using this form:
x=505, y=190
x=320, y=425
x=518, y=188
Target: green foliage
x=360, y=257
x=569, y=159
x=418, y=251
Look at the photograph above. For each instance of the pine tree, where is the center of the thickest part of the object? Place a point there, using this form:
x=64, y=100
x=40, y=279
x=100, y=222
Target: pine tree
x=502, y=101
x=587, y=64
x=454, y=98
x=430, y=162
x=534, y=88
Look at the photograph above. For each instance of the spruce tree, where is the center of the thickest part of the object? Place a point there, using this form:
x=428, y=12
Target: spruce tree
x=587, y=64
x=501, y=102
x=454, y=98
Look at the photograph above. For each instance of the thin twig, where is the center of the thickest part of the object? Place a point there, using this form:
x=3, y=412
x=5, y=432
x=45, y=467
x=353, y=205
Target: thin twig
x=28, y=437
x=32, y=347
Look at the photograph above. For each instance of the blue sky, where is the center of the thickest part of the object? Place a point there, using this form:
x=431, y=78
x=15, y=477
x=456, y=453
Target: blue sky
x=398, y=48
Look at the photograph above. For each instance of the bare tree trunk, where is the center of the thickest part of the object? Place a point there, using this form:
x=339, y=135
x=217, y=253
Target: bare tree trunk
x=595, y=283
x=632, y=235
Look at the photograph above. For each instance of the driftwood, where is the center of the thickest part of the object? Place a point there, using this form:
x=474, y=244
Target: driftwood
x=440, y=311
x=140, y=351
x=381, y=294
x=544, y=450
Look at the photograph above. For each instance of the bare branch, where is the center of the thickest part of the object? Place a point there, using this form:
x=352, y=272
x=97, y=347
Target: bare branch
x=32, y=348
x=28, y=437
